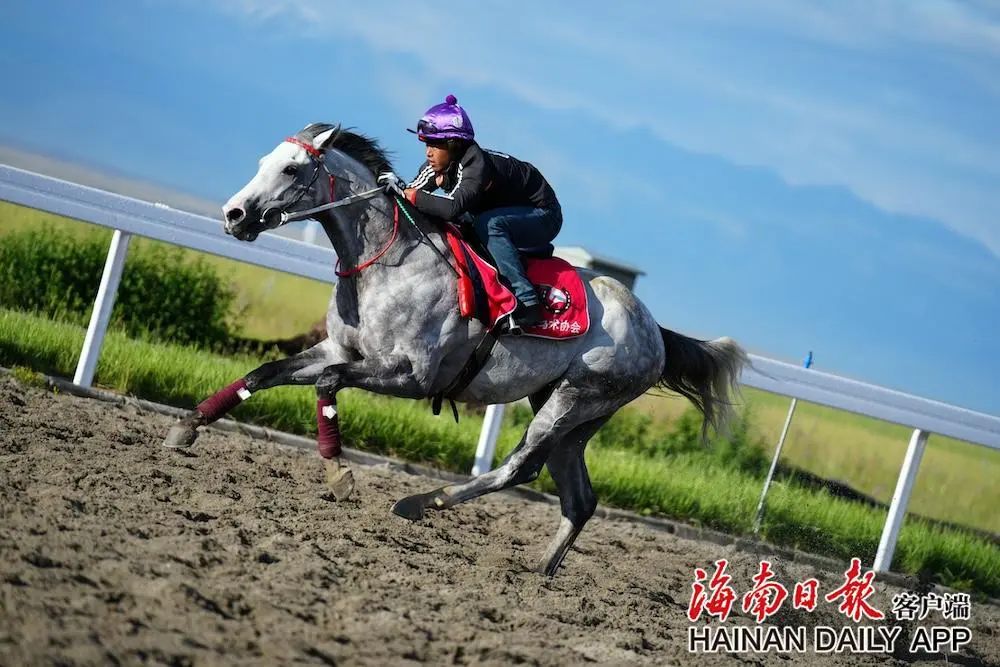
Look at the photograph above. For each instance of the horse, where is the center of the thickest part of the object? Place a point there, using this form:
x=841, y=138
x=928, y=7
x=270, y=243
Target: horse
x=394, y=328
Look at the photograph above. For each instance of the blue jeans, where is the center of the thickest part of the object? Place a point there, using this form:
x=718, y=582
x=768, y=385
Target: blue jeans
x=504, y=230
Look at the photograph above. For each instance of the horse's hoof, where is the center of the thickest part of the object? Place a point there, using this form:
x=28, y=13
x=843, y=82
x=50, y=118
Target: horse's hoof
x=339, y=479
x=546, y=568
x=411, y=507
x=181, y=436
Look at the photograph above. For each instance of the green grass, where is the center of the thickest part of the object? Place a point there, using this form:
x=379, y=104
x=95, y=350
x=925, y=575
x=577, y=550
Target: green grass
x=956, y=483
x=694, y=485
x=183, y=376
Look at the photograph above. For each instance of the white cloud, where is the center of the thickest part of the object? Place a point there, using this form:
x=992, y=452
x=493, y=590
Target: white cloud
x=641, y=65
x=871, y=24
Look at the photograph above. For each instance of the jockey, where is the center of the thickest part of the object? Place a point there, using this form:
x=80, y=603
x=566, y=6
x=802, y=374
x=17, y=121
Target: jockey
x=511, y=203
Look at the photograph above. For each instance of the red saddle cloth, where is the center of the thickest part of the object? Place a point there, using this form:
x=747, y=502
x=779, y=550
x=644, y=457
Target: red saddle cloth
x=482, y=295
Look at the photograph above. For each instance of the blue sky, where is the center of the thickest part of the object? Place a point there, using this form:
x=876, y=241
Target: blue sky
x=796, y=175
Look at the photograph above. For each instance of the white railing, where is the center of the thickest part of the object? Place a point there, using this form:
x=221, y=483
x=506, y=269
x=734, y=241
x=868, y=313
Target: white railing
x=129, y=216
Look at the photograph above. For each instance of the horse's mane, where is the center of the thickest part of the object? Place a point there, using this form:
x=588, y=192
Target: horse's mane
x=363, y=149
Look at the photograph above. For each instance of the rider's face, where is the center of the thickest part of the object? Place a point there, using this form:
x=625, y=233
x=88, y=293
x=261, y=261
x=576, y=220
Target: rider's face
x=438, y=157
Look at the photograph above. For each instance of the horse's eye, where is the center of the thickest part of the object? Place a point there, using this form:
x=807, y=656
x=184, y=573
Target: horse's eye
x=290, y=170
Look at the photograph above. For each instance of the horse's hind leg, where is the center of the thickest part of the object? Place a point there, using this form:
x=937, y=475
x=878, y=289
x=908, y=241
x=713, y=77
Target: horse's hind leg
x=303, y=368
x=521, y=466
x=576, y=495
x=554, y=421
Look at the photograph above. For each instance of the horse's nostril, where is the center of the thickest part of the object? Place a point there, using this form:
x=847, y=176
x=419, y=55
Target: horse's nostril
x=235, y=214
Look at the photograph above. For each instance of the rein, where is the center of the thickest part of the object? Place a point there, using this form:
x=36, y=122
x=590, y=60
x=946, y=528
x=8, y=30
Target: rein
x=365, y=264
x=347, y=201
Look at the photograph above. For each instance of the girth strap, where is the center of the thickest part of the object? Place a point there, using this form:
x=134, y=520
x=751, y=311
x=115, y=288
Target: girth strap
x=468, y=373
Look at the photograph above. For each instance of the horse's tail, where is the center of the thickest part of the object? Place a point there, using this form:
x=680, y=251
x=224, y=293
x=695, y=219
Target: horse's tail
x=705, y=372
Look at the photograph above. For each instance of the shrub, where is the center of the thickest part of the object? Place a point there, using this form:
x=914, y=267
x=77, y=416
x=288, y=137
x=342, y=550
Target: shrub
x=635, y=432
x=162, y=296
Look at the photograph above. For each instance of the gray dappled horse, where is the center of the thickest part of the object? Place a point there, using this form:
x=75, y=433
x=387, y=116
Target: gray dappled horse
x=395, y=328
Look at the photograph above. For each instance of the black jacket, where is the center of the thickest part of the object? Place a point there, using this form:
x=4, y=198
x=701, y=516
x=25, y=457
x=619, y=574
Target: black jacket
x=480, y=181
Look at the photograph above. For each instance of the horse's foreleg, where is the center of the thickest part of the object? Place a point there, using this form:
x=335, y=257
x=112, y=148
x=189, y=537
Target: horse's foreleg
x=303, y=368
x=391, y=375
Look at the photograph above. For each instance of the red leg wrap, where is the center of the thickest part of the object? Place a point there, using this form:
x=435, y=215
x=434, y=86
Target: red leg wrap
x=328, y=441
x=223, y=401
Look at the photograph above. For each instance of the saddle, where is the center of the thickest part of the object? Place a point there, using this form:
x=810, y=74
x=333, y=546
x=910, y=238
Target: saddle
x=484, y=294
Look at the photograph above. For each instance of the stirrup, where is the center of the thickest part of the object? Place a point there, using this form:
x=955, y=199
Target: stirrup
x=511, y=327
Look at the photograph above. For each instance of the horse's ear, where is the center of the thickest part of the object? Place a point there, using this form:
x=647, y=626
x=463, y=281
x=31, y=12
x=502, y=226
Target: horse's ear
x=324, y=139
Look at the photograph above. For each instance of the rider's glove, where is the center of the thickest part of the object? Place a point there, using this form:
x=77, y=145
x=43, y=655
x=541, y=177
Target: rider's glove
x=391, y=182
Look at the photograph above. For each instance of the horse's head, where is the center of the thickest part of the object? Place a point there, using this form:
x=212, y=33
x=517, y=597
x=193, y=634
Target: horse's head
x=294, y=176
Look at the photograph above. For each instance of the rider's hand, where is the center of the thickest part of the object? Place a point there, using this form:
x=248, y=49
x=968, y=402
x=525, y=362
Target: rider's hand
x=411, y=195
x=391, y=181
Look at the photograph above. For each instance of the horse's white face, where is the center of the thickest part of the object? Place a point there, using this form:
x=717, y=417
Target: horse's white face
x=288, y=178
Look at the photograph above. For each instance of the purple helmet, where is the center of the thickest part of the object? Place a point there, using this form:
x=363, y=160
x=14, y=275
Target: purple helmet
x=445, y=121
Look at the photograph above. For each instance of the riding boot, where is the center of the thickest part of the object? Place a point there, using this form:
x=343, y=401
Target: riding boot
x=524, y=316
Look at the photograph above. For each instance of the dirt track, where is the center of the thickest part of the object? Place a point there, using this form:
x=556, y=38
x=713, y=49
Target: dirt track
x=113, y=549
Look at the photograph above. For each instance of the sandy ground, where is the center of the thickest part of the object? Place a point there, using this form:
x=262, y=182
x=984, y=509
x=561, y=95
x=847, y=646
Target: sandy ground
x=114, y=550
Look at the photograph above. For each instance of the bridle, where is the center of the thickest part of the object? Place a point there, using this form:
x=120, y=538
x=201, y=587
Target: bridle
x=320, y=163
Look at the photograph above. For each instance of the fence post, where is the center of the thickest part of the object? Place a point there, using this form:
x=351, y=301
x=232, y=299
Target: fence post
x=103, y=304
x=488, y=439
x=900, y=499
x=777, y=453
x=310, y=231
